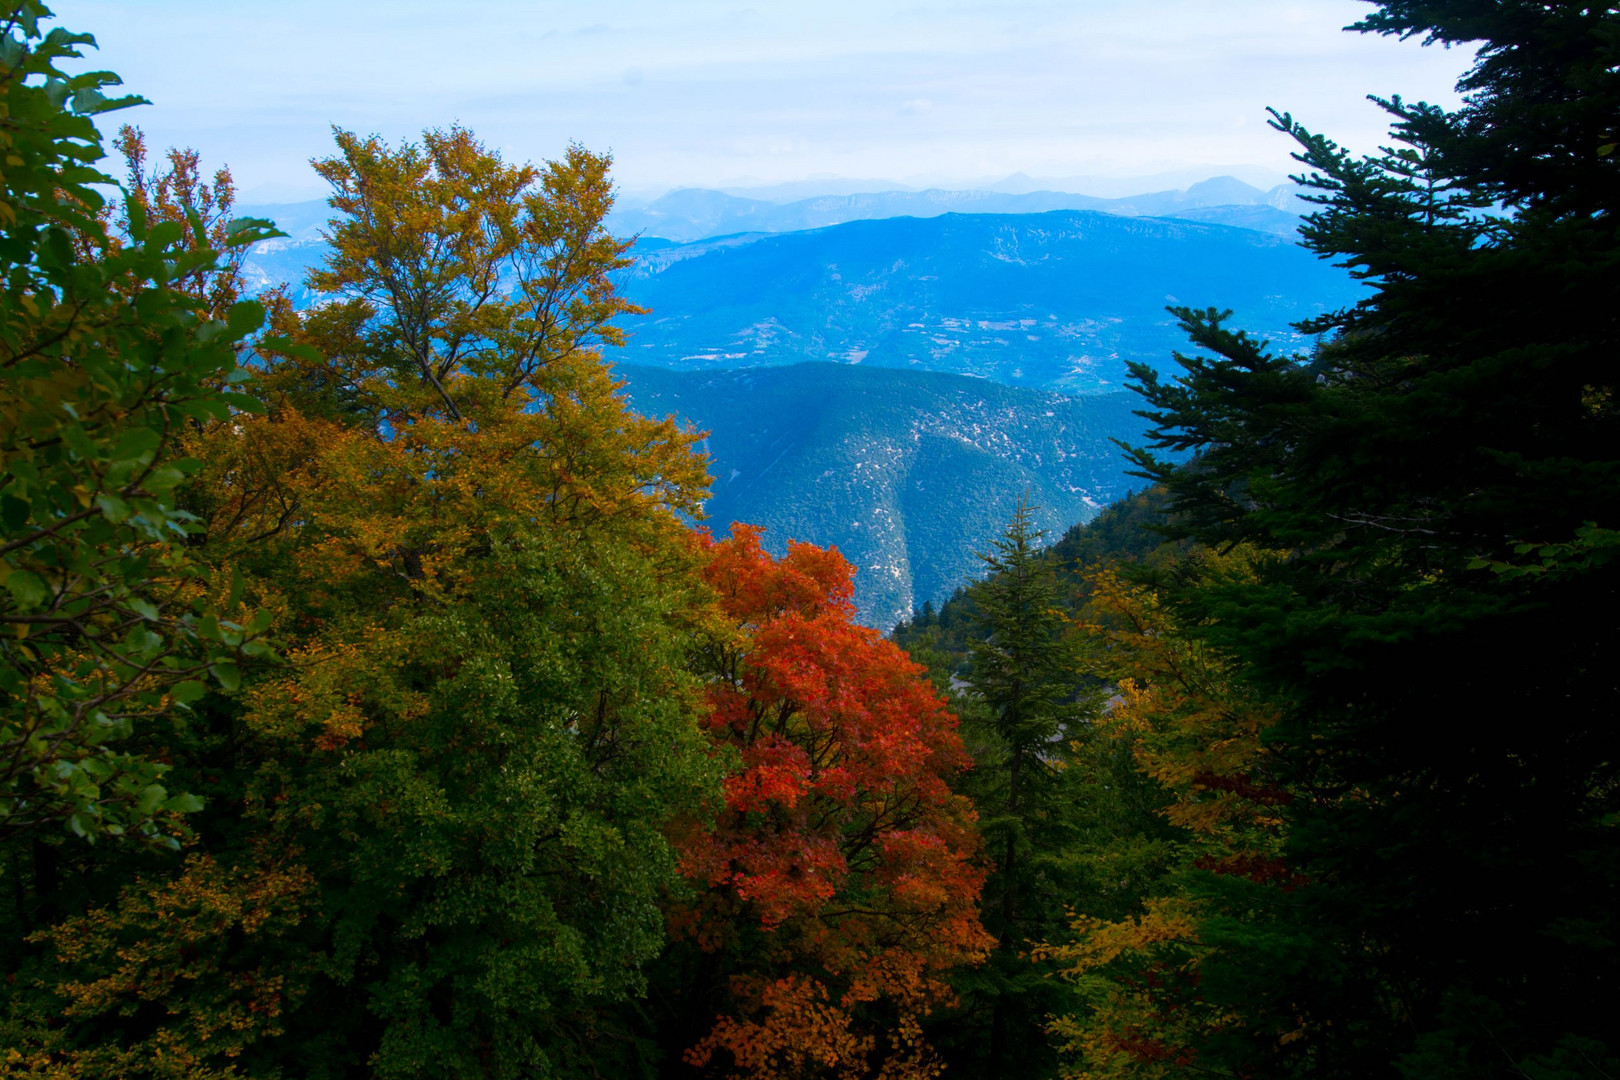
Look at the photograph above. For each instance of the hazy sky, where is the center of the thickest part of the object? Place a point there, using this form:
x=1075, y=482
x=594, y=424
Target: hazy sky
x=700, y=93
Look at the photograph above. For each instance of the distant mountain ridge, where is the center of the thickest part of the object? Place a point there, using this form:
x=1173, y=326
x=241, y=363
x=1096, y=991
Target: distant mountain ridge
x=893, y=454
x=698, y=213
x=907, y=473
x=701, y=213
x=1059, y=300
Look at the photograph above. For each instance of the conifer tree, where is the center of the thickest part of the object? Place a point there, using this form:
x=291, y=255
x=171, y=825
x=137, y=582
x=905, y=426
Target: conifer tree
x=1441, y=488
x=1021, y=715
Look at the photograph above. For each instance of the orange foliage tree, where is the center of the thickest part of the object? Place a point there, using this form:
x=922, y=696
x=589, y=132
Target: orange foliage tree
x=838, y=883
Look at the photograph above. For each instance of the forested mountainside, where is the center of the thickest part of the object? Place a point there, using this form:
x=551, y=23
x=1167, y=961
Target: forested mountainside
x=1060, y=300
x=1128, y=532
x=907, y=473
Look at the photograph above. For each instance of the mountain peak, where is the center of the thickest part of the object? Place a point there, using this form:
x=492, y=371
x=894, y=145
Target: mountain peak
x=1224, y=190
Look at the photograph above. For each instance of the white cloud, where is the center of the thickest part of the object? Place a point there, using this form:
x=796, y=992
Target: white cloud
x=701, y=92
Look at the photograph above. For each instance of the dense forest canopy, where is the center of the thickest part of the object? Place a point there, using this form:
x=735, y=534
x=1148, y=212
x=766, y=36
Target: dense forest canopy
x=371, y=707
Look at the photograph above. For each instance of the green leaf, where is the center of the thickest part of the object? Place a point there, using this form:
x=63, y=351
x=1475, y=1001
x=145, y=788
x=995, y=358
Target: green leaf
x=89, y=100
x=227, y=675
x=28, y=589
x=184, y=693
x=115, y=509
x=250, y=231
x=246, y=402
x=244, y=318
x=184, y=804
x=150, y=799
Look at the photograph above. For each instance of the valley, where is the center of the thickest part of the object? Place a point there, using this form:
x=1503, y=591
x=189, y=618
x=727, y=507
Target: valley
x=907, y=473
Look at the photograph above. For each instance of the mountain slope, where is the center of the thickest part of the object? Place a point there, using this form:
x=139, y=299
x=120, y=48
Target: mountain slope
x=907, y=473
x=1057, y=300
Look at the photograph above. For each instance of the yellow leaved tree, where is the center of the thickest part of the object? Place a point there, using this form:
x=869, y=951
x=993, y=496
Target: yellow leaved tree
x=483, y=720
x=1152, y=984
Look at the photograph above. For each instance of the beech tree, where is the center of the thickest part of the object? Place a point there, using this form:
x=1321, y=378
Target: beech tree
x=438, y=844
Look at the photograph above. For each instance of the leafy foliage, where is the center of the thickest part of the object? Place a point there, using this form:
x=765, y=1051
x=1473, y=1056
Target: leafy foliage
x=455, y=266
x=839, y=883
x=109, y=620
x=463, y=771
x=527, y=737
x=1164, y=985
x=488, y=720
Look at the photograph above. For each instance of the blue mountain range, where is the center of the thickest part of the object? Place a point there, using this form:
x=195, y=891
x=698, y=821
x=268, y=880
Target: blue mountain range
x=696, y=213
x=1057, y=300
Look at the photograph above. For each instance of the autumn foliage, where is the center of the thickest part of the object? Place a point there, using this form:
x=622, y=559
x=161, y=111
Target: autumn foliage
x=1150, y=982
x=371, y=708
x=840, y=881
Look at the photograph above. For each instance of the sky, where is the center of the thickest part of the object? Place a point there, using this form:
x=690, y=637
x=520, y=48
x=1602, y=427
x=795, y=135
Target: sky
x=693, y=93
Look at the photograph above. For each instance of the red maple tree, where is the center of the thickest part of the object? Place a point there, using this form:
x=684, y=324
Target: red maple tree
x=839, y=880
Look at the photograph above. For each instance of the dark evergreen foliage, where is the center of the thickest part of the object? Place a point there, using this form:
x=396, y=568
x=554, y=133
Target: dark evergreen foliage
x=1020, y=714
x=1440, y=483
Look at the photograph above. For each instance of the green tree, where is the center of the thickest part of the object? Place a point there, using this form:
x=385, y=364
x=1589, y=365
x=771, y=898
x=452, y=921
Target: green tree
x=1442, y=476
x=491, y=722
x=110, y=621
x=1023, y=713
x=1186, y=949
